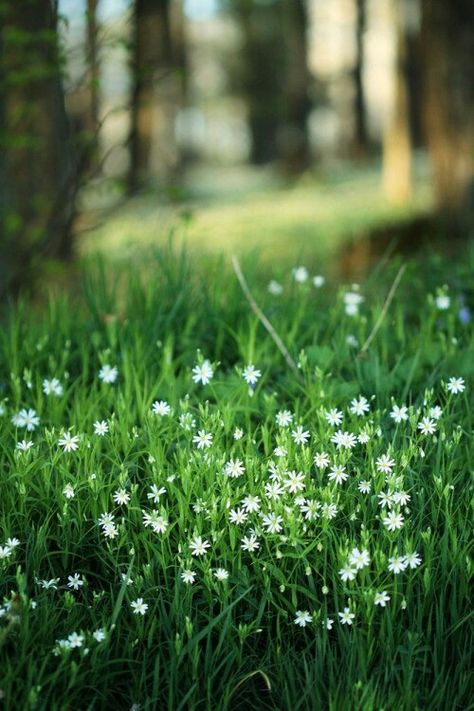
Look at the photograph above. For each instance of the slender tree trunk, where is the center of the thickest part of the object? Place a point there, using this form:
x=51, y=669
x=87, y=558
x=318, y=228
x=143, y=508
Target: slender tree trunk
x=294, y=142
x=263, y=67
x=397, y=145
x=93, y=69
x=360, y=118
x=40, y=170
x=448, y=52
x=158, y=73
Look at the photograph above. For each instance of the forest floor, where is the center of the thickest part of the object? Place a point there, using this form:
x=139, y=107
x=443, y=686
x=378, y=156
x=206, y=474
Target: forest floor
x=242, y=210
x=195, y=516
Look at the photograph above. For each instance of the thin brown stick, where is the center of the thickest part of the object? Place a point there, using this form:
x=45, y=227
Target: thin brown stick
x=385, y=307
x=262, y=318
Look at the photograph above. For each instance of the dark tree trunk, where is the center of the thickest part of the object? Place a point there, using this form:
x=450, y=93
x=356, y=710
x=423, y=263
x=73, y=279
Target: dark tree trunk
x=448, y=77
x=294, y=142
x=360, y=118
x=93, y=70
x=39, y=173
x=158, y=76
x=263, y=57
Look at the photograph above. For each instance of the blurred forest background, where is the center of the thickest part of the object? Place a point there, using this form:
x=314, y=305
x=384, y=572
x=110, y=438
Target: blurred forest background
x=328, y=126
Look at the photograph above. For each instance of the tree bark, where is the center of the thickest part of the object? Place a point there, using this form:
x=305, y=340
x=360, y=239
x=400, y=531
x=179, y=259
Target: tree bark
x=294, y=142
x=39, y=178
x=158, y=75
x=360, y=118
x=448, y=77
x=397, y=144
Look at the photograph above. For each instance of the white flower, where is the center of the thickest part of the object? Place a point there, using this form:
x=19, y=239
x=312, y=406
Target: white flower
x=381, y=598
x=155, y=493
x=359, y=558
x=108, y=374
x=318, y=281
x=272, y=522
x=251, y=503
x=203, y=372
x=238, y=516
x=344, y=439
x=75, y=581
x=161, y=408
x=300, y=274
x=238, y=433
x=250, y=374
x=302, y=618
x=110, y=530
x=442, y=302
x=328, y=623
x=221, y=574
x=12, y=543
x=363, y=437
x=386, y=499
x=121, y=497
x=203, y=439
x=352, y=341
x=69, y=442
x=274, y=490
x=138, y=606
x=359, y=407
x=364, y=487
x=352, y=301
x=393, y=521
x=435, y=412
x=347, y=573
x=188, y=576
x=338, y=474
x=295, y=482
x=299, y=435
x=75, y=640
x=401, y=497
x=283, y=418
x=68, y=491
x=399, y=413
x=198, y=546
x=26, y=418
x=427, y=426
x=412, y=560
x=321, y=460
x=275, y=288
x=52, y=387
x=99, y=635
x=5, y=552
x=49, y=584
x=250, y=543
x=234, y=468
x=155, y=520
x=101, y=428
x=280, y=452
x=396, y=564
x=334, y=416
x=385, y=464
x=310, y=508
x=346, y=616
x=328, y=511
x=24, y=445
x=455, y=385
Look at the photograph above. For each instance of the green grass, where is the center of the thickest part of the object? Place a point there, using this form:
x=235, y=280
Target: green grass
x=234, y=644
x=238, y=211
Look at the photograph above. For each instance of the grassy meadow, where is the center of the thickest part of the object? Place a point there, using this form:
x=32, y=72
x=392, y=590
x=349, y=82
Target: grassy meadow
x=191, y=520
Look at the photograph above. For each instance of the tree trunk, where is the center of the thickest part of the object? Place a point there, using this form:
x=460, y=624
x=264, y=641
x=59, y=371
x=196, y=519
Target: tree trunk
x=39, y=178
x=360, y=118
x=93, y=71
x=262, y=79
x=158, y=75
x=293, y=136
x=397, y=145
x=448, y=52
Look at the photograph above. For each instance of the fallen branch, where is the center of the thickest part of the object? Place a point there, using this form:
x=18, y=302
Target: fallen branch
x=381, y=317
x=262, y=318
